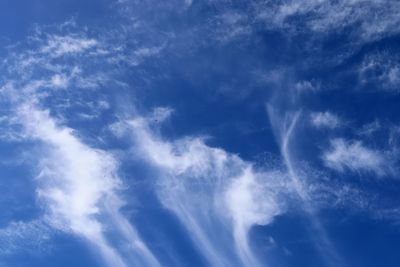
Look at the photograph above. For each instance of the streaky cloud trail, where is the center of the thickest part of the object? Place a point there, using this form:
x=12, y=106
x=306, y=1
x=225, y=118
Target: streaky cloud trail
x=75, y=182
x=216, y=195
x=78, y=185
x=284, y=133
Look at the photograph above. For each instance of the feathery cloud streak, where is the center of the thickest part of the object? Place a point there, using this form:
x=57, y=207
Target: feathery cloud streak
x=78, y=185
x=209, y=189
x=354, y=156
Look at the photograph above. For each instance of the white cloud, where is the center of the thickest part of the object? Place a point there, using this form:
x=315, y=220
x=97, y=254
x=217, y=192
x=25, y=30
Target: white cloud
x=354, y=156
x=208, y=188
x=307, y=86
x=3, y=119
x=161, y=114
x=284, y=126
x=325, y=16
x=78, y=187
x=63, y=45
x=382, y=71
x=134, y=57
x=30, y=236
x=325, y=120
x=231, y=25
x=148, y=51
x=188, y=3
x=370, y=128
x=364, y=20
x=250, y=203
x=59, y=81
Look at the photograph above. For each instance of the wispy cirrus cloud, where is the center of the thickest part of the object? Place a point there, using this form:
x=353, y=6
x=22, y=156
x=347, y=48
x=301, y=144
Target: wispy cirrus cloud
x=57, y=46
x=307, y=86
x=284, y=127
x=208, y=188
x=356, y=157
x=32, y=236
x=78, y=185
x=372, y=19
x=381, y=71
x=325, y=120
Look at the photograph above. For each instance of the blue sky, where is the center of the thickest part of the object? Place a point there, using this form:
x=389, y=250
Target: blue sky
x=199, y=133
